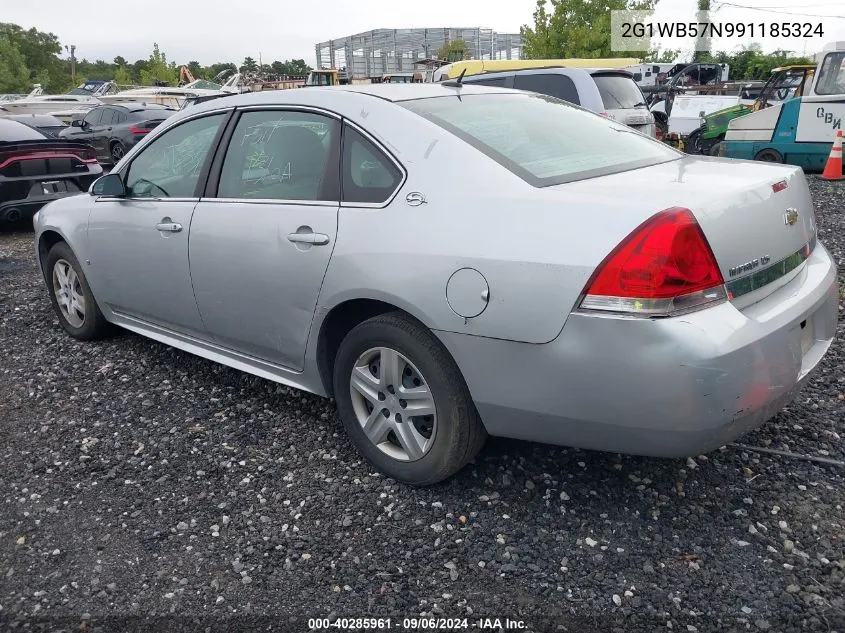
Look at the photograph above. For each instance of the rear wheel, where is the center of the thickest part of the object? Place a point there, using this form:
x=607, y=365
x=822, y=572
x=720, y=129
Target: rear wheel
x=769, y=156
x=404, y=402
x=71, y=296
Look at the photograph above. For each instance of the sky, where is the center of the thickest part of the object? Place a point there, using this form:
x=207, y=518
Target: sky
x=210, y=31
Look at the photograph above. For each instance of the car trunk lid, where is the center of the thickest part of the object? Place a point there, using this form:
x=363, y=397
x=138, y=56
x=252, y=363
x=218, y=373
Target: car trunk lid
x=757, y=217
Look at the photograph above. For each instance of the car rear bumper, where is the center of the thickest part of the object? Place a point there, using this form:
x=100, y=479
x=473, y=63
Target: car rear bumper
x=21, y=198
x=666, y=387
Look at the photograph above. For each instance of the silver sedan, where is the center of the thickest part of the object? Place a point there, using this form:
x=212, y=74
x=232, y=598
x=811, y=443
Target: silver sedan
x=453, y=261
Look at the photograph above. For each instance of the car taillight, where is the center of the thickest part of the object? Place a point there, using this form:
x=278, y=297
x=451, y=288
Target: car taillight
x=84, y=154
x=135, y=129
x=665, y=266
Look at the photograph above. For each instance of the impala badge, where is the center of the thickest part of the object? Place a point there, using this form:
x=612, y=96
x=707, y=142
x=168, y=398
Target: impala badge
x=790, y=217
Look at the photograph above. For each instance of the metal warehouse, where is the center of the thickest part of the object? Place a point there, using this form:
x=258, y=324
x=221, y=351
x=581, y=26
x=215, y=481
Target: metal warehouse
x=382, y=51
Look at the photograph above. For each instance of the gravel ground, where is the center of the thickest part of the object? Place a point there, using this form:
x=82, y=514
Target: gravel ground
x=138, y=482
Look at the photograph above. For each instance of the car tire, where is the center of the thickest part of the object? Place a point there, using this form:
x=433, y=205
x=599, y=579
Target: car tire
x=416, y=450
x=117, y=152
x=66, y=283
x=769, y=156
x=693, y=142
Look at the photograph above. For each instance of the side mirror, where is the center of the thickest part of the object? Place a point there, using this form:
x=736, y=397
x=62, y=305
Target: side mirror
x=76, y=123
x=109, y=186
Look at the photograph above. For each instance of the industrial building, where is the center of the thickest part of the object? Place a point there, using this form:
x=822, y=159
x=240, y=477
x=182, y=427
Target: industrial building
x=382, y=51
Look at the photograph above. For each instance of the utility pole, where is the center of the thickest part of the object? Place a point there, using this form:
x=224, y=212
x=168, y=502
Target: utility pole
x=703, y=40
x=72, y=50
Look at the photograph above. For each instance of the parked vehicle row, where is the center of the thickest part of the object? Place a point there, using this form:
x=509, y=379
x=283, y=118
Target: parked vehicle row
x=452, y=260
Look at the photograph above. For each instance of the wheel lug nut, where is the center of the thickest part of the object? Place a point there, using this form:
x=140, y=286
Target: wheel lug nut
x=390, y=389
x=385, y=413
x=398, y=417
x=381, y=395
x=403, y=404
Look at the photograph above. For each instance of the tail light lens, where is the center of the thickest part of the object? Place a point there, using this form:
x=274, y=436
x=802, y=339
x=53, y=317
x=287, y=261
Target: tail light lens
x=664, y=267
x=145, y=127
x=84, y=154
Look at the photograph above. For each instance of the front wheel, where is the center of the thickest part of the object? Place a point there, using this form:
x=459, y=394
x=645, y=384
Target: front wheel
x=769, y=156
x=404, y=402
x=71, y=296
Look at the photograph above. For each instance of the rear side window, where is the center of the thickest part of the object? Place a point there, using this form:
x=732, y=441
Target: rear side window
x=498, y=82
x=552, y=84
x=618, y=92
x=368, y=175
x=544, y=141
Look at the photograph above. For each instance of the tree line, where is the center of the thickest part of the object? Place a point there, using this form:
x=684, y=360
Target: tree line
x=30, y=56
x=581, y=28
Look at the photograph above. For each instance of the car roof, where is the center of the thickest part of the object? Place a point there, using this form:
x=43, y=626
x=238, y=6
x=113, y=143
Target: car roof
x=139, y=107
x=384, y=91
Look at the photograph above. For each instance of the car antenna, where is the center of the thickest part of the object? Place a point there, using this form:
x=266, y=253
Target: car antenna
x=456, y=83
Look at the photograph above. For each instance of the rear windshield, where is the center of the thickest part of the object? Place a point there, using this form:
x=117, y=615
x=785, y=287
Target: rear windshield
x=14, y=132
x=619, y=92
x=543, y=140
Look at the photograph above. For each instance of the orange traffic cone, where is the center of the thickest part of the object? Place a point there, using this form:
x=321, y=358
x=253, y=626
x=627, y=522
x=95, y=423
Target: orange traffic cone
x=833, y=169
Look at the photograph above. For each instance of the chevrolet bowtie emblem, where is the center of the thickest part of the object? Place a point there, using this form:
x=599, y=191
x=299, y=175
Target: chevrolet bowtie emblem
x=790, y=217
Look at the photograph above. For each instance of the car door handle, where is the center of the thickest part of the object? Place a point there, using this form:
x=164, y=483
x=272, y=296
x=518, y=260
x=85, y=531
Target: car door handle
x=317, y=239
x=171, y=227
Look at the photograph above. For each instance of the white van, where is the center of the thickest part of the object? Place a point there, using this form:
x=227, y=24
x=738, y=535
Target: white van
x=606, y=91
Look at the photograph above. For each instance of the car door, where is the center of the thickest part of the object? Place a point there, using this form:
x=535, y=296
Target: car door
x=261, y=242
x=89, y=121
x=100, y=133
x=139, y=243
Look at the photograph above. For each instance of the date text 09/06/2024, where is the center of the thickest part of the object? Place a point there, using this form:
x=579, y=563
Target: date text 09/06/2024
x=414, y=624
x=721, y=29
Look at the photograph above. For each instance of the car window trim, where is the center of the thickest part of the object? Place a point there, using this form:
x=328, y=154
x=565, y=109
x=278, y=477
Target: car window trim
x=204, y=170
x=209, y=192
x=384, y=150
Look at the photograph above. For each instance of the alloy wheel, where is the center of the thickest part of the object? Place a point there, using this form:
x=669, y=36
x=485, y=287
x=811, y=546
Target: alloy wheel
x=68, y=291
x=393, y=404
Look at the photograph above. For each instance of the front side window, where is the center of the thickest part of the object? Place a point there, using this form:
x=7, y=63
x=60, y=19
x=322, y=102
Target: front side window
x=170, y=166
x=831, y=79
x=108, y=117
x=93, y=117
x=282, y=155
x=544, y=141
x=368, y=175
